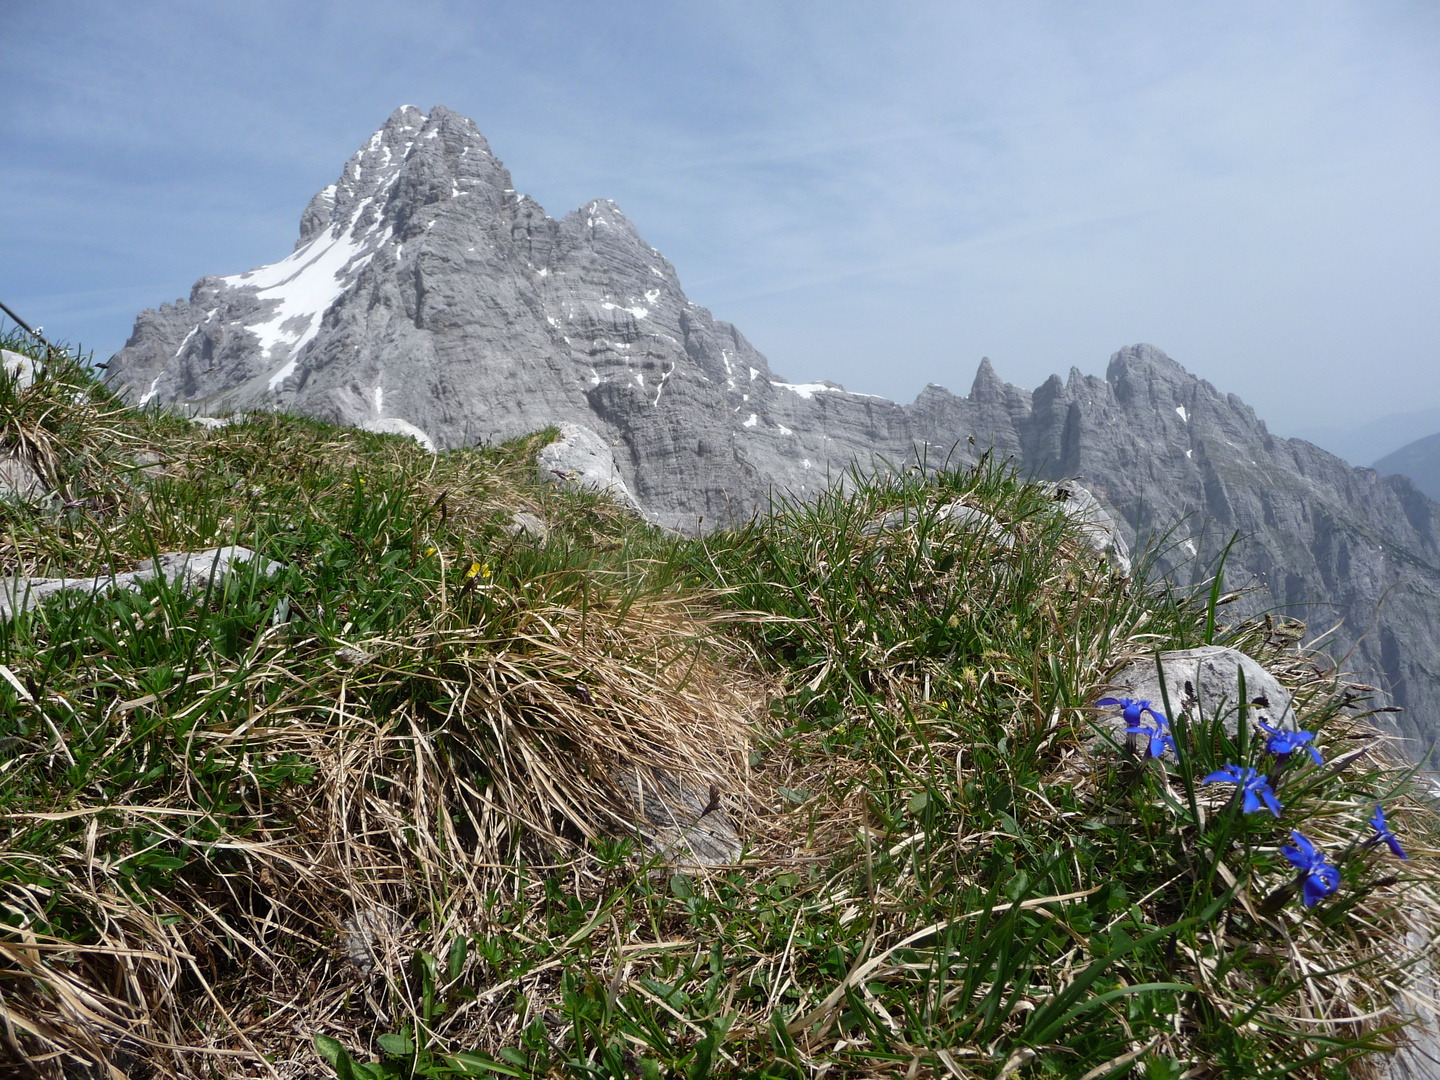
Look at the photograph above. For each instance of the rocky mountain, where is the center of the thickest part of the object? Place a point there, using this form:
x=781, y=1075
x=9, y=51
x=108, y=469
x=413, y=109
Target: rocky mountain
x=1419, y=460
x=426, y=296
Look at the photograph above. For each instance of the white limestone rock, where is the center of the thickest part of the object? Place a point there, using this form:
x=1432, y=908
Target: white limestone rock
x=393, y=425
x=679, y=820
x=581, y=458
x=953, y=513
x=1204, y=683
x=194, y=569
x=19, y=368
x=1098, y=526
x=523, y=523
x=18, y=481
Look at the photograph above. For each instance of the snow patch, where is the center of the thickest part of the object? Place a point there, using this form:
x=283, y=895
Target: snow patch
x=379, y=401
x=149, y=393
x=638, y=311
x=1183, y=417
x=661, y=388
x=805, y=390
x=1189, y=453
x=809, y=390
x=656, y=272
x=181, y=349
x=783, y=429
x=544, y=271
x=651, y=295
x=751, y=421
x=303, y=285
x=393, y=425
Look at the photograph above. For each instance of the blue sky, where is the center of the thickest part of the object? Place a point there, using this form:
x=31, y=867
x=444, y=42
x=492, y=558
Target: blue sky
x=877, y=194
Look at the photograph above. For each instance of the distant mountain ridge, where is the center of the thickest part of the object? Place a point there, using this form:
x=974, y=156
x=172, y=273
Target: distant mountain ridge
x=1419, y=460
x=426, y=295
x=1368, y=442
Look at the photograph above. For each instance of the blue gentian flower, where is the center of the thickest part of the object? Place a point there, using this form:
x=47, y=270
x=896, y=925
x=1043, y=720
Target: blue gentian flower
x=1320, y=879
x=1132, y=711
x=1384, y=835
x=1284, y=743
x=1254, y=786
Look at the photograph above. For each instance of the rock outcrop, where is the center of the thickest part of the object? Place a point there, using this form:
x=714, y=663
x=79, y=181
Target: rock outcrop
x=1204, y=684
x=425, y=295
x=581, y=458
x=194, y=570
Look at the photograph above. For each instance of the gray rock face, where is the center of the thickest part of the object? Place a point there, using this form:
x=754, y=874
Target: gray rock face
x=425, y=291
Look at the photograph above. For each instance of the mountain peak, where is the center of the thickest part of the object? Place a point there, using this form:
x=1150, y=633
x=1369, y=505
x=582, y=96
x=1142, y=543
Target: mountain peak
x=986, y=384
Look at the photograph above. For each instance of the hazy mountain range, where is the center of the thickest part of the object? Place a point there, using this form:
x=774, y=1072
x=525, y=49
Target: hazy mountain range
x=1419, y=460
x=1368, y=443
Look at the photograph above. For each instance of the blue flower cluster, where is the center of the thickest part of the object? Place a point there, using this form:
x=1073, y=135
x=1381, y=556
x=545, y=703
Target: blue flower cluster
x=1253, y=787
x=1132, y=711
x=1318, y=877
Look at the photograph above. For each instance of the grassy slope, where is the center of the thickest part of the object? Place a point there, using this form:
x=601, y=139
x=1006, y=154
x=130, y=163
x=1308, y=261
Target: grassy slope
x=366, y=810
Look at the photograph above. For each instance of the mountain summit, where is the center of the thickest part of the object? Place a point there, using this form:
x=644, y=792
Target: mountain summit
x=426, y=296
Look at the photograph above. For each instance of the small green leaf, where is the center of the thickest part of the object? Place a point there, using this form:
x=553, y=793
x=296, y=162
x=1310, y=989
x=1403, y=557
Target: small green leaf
x=328, y=1048
x=476, y=1064
x=1018, y=885
x=794, y=795
x=458, y=951
x=396, y=1045
x=681, y=887
x=919, y=802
